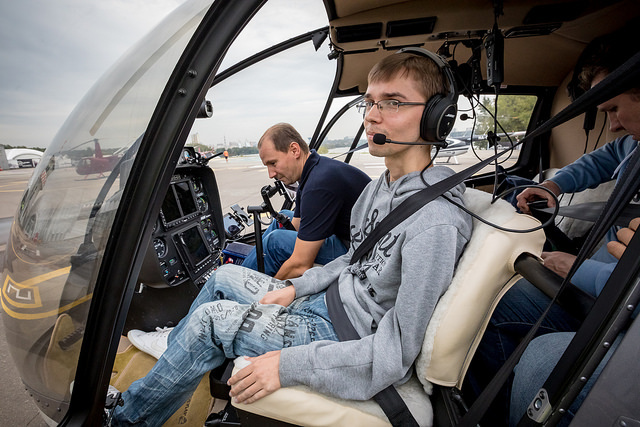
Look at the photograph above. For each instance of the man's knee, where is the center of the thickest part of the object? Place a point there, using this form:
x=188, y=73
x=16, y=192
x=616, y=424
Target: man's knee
x=225, y=283
x=220, y=276
x=239, y=284
x=279, y=245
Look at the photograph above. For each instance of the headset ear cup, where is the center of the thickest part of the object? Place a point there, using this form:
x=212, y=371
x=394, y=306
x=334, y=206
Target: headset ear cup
x=426, y=124
x=440, y=113
x=438, y=118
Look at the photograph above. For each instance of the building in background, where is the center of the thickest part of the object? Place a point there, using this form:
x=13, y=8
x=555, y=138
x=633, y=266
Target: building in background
x=23, y=157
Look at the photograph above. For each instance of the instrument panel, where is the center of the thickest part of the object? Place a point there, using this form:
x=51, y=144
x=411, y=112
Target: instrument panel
x=188, y=236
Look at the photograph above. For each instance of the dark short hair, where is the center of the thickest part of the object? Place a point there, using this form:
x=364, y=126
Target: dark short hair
x=420, y=68
x=606, y=53
x=282, y=135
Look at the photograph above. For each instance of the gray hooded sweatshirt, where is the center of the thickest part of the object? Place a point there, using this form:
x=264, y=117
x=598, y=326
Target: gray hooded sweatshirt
x=389, y=295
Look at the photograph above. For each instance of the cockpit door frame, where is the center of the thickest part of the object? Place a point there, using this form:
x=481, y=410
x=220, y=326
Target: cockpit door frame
x=151, y=172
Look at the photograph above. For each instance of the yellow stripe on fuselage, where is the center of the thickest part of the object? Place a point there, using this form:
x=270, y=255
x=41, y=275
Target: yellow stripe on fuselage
x=32, y=294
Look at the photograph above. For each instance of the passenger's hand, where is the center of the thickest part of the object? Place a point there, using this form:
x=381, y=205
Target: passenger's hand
x=283, y=297
x=259, y=379
x=532, y=194
x=617, y=248
x=558, y=262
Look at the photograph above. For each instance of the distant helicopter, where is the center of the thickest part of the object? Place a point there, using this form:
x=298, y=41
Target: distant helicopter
x=98, y=163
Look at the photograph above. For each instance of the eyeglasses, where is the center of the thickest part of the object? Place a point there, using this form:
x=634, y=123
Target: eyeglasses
x=385, y=106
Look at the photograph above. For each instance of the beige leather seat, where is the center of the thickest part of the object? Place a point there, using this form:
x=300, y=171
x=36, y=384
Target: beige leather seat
x=485, y=272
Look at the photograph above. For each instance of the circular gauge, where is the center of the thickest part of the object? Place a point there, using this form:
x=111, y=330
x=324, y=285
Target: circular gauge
x=202, y=204
x=186, y=156
x=161, y=247
x=196, y=185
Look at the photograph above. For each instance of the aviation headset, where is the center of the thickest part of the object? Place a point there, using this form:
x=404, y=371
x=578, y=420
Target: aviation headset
x=440, y=113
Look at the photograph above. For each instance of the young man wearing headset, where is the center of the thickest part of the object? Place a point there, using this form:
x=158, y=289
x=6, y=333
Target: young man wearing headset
x=388, y=295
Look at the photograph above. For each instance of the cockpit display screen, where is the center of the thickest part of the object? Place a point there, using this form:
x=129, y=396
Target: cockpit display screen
x=179, y=202
x=195, y=245
x=185, y=197
x=170, y=208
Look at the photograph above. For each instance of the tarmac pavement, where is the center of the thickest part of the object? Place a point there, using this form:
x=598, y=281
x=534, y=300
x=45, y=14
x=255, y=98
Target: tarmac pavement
x=16, y=405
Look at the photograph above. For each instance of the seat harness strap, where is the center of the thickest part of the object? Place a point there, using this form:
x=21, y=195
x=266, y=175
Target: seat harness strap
x=389, y=399
x=414, y=202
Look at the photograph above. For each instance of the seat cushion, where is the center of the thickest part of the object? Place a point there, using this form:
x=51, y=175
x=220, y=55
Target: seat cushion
x=302, y=406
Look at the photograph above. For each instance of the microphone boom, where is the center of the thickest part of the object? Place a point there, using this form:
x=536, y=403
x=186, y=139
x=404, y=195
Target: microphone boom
x=381, y=139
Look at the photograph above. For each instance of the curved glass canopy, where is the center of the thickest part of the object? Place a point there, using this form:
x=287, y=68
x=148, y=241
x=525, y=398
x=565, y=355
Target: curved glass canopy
x=65, y=217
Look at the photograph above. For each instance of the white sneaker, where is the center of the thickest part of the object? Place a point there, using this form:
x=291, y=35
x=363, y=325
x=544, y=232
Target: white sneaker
x=153, y=343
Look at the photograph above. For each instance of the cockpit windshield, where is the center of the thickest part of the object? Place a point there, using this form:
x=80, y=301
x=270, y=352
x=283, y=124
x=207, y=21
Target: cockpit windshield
x=65, y=216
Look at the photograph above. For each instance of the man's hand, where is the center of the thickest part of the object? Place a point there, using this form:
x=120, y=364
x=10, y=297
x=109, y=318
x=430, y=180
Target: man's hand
x=532, y=194
x=558, y=262
x=283, y=297
x=617, y=248
x=257, y=380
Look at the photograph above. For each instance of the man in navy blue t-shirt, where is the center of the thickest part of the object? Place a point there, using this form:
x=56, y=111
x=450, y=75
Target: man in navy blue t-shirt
x=327, y=190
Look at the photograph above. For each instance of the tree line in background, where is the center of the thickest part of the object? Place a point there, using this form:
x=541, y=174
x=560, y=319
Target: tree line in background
x=513, y=114
x=244, y=151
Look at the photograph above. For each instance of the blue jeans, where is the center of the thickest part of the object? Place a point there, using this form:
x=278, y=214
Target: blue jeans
x=224, y=321
x=278, y=244
x=537, y=362
x=518, y=310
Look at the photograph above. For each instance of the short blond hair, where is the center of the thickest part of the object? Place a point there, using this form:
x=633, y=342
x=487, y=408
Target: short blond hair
x=423, y=70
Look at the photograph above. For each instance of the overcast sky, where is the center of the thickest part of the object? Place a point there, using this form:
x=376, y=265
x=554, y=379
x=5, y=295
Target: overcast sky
x=52, y=52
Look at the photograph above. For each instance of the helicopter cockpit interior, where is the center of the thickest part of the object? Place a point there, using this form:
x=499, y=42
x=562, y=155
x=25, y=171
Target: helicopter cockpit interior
x=94, y=255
